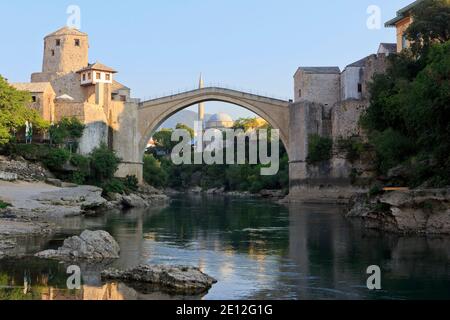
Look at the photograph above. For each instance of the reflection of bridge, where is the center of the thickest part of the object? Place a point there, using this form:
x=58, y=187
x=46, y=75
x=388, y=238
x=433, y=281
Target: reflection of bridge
x=152, y=113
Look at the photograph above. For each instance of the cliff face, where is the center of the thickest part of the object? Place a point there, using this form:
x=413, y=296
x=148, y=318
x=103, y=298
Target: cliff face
x=425, y=211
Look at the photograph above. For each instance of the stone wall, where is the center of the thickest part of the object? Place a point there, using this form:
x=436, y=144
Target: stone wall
x=323, y=88
x=345, y=118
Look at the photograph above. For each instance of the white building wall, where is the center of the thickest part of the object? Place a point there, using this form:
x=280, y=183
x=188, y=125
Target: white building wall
x=351, y=77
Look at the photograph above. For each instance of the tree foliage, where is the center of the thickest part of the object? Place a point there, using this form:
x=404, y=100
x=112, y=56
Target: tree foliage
x=104, y=163
x=15, y=111
x=408, y=117
x=431, y=24
x=66, y=129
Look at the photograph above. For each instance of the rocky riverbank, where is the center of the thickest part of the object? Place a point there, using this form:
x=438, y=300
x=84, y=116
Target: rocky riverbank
x=33, y=201
x=263, y=194
x=422, y=211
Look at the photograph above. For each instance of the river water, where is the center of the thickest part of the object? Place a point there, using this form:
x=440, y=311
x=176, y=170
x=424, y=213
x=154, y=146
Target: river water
x=255, y=249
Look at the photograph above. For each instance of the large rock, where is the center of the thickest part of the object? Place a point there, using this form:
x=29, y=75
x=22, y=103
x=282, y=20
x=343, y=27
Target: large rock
x=85, y=197
x=133, y=201
x=90, y=245
x=8, y=176
x=179, y=279
x=425, y=211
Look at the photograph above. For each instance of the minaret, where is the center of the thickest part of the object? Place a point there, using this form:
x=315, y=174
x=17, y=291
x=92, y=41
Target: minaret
x=201, y=106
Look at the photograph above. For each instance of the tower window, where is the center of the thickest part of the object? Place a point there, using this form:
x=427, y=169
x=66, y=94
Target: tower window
x=359, y=88
x=108, y=77
x=300, y=93
x=77, y=42
x=53, y=53
x=89, y=76
x=34, y=98
x=58, y=42
x=98, y=75
x=84, y=76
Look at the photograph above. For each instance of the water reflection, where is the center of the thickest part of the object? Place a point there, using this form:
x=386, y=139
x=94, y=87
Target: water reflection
x=257, y=250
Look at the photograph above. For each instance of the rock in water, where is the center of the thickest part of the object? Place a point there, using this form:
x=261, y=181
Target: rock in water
x=179, y=279
x=422, y=211
x=90, y=245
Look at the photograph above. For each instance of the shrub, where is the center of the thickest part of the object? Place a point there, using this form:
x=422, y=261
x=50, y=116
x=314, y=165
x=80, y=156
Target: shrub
x=392, y=149
x=31, y=152
x=154, y=173
x=78, y=178
x=319, y=149
x=4, y=205
x=67, y=128
x=56, y=159
x=113, y=186
x=81, y=162
x=131, y=183
x=104, y=163
x=353, y=148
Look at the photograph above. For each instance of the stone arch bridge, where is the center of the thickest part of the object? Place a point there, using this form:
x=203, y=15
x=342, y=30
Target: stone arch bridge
x=135, y=124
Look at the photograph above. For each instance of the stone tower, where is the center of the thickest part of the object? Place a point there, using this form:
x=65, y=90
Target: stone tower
x=65, y=51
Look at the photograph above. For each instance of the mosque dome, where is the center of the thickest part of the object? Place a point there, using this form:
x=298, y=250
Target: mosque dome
x=219, y=121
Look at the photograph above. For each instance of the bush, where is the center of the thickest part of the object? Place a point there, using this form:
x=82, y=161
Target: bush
x=31, y=152
x=104, y=163
x=4, y=205
x=392, y=149
x=81, y=162
x=78, y=178
x=67, y=128
x=319, y=149
x=113, y=186
x=56, y=159
x=353, y=148
x=131, y=183
x=154, y=173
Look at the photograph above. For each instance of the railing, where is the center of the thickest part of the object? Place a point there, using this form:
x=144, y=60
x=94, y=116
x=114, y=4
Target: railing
x=213, y=85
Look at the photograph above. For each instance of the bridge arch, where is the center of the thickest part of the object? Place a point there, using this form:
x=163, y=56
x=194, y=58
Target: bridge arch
x=153, y=113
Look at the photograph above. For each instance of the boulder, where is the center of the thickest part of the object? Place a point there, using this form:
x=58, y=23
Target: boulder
x=90, y=245
x=421, y=211
x=8, y=176
x=179, y=279
x=86, y=197
x=133, y=201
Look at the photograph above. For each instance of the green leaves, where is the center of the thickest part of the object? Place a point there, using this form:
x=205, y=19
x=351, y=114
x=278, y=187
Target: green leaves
x=15, y=111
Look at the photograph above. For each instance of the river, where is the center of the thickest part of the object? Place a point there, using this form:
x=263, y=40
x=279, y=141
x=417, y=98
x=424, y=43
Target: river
x=255, y=249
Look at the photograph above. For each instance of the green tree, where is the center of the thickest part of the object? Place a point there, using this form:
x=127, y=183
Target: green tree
x=154, y=173
x=104, y=163
x=163, y=139
x=15, y=111
x=68, y=129
x=181, y=126
x=431, y=24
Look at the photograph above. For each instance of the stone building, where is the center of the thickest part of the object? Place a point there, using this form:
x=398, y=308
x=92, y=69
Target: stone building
x=69, y=86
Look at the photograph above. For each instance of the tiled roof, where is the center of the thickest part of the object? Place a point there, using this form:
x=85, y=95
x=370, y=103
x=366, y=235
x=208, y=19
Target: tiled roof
x=320, y=70
x=99, y=67
x=67, y=31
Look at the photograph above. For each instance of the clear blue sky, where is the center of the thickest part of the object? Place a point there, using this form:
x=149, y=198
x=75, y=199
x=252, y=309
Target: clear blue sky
x=161, y=46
